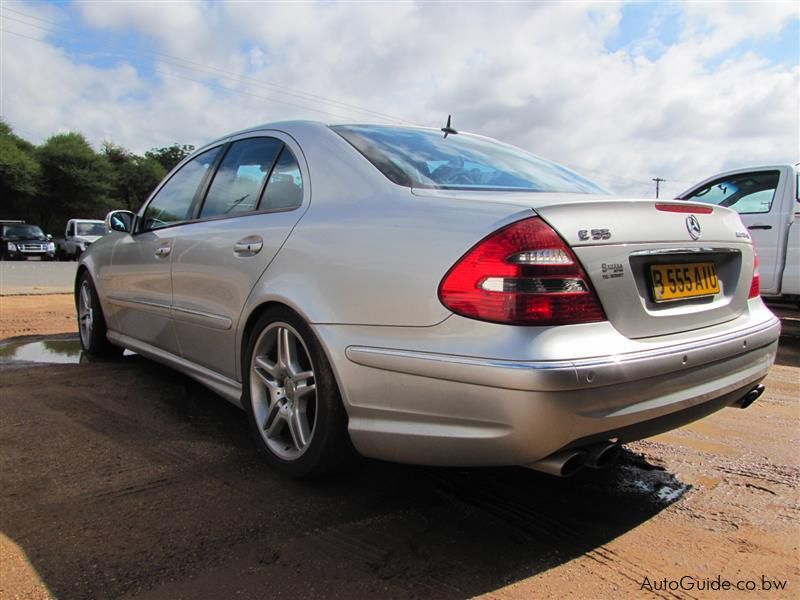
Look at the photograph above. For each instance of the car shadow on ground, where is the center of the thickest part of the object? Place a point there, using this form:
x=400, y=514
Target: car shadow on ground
x=126, y=479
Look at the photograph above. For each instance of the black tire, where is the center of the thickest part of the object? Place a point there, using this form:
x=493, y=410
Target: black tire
x=329, y=449
x=93, y=339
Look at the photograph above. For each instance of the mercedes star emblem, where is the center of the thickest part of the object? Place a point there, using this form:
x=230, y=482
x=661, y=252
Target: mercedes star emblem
x=693, y=225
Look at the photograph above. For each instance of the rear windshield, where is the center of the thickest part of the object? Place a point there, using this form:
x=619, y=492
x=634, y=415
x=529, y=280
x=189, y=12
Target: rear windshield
x=423, y=158
x=22, y=232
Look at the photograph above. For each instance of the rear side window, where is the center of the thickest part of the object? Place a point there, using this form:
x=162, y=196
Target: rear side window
x=746, y=193
x=240, y=178
x=285, y=186
x=424, y=158
x=173, y=202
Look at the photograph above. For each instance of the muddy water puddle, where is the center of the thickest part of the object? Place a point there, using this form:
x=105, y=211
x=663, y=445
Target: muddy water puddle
x=46, y=351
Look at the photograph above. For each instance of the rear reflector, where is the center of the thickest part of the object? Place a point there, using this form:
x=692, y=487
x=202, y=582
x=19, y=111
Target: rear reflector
x=523, y=274
x=683, y=208
x=755, y=285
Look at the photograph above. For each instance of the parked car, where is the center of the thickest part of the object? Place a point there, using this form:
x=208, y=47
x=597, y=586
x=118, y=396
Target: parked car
x=79, y=234
x=767, y=199
x=429, y=299
x=21, y=241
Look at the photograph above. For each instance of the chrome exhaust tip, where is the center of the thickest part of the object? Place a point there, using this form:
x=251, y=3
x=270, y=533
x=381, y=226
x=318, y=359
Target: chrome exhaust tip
x=602, y=455
x=564, y=463
x=750, y=397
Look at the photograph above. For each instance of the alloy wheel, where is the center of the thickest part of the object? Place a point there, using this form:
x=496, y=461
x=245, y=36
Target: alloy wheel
x=283, y=390
x=85, y=314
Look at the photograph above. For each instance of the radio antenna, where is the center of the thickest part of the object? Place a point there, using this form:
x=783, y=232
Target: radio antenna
x=447, y=129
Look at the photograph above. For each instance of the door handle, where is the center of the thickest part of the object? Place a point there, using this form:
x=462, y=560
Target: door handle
x=760, y=227
x=163, y=251
x=248, y=246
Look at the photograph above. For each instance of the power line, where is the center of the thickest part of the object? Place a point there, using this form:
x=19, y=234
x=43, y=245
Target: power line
x=212, y=84
x=206, y=68
x=210, y=70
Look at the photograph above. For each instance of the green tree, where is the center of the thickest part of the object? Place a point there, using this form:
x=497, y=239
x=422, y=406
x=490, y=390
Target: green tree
x=134, y=176
x=76, y=181
x=169, y=156
x=19, y=173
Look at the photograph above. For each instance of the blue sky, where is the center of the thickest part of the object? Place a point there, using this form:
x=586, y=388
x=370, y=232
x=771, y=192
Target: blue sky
x=653, y=27
x=646, y=28
x=620, y=91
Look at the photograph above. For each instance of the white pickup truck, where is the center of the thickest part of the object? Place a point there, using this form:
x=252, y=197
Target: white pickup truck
x=767, y=199
x=79, y=235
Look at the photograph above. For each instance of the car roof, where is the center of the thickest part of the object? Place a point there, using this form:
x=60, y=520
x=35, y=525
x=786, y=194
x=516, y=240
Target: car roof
x=297, y=125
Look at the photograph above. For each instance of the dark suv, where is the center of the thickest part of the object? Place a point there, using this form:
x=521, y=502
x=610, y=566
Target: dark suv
x=19, y=241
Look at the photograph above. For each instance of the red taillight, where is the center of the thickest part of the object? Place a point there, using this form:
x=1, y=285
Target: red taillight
x=679, y=208
x=755, y=285
x=523, y=274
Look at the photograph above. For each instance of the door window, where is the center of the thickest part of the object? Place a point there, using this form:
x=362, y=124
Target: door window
x=285, y=185
x=240, y=178
x=173, y=202
x=746, y=193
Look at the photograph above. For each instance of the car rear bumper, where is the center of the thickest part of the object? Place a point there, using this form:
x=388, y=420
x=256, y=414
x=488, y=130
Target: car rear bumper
x=567, y=375
x=450, y=409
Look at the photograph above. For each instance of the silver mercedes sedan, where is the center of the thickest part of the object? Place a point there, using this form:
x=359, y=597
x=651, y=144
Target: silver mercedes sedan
x=427, y=297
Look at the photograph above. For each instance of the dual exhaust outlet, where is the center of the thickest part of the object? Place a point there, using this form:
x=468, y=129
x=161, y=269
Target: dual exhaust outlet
x=565, y=463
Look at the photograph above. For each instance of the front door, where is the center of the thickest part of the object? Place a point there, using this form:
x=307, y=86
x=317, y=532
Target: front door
x=253, y=201
x=755, y=196
x=139, y=281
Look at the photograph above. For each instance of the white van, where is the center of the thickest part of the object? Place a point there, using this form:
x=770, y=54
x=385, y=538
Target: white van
x=768, y=203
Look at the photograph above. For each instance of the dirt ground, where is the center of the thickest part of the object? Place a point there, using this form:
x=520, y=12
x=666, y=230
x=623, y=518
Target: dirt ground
x=36, y=315
x=125, y=480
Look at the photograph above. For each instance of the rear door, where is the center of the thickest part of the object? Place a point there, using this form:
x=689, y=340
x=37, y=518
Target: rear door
x=249, y=208
x=758, y=197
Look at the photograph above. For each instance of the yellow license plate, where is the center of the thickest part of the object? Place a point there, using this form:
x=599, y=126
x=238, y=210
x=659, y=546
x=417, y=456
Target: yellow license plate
x=689, y=280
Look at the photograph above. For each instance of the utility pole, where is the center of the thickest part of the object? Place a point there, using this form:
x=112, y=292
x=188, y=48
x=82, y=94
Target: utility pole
x=658, y=180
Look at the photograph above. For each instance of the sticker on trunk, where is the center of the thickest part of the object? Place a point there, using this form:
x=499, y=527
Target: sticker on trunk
x=612, y=270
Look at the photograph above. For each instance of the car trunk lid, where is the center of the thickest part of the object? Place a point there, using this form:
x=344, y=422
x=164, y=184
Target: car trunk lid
x=658, y=267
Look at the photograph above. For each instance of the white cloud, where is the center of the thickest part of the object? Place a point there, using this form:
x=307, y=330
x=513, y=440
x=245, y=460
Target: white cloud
x=536, y=75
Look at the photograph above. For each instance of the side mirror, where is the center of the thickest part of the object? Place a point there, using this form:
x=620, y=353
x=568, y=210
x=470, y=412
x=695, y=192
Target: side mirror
x=120, y=220
x=49, y=237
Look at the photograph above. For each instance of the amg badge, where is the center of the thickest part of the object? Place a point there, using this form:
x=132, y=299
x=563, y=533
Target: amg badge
x=594, y=234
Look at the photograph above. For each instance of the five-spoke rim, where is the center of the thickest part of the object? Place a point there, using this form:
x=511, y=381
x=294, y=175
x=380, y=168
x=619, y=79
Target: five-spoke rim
x=283, y=390
x=85, y=314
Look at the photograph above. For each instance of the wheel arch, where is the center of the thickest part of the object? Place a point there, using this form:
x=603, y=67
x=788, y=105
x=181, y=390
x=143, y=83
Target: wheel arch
x=82, y=268
x=256, y=312
x=253, y=313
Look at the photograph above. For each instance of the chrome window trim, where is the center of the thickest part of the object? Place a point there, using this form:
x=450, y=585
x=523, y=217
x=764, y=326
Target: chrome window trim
x=225, y=143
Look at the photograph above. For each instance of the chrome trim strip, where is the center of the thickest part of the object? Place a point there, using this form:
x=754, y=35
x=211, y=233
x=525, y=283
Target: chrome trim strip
x=179, y=313
x=227, y=388
x=703, y=250
x=197, y=317
x=569, y=374
x=138, y=303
